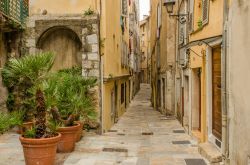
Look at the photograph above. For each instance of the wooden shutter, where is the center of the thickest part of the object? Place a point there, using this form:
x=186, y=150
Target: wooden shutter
x=191, y=16
x=205, y=11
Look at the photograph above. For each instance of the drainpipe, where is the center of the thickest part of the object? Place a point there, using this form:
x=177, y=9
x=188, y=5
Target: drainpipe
x=101, y=66
x=225, y=132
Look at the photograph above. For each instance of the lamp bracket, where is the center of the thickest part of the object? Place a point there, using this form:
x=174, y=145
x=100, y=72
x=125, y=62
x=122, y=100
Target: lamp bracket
x=178, y=15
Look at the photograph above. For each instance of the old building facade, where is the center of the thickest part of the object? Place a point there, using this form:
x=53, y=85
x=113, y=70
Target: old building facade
x=209, y=41
x=163, y=58
x=145, y=49
x=89, y=34
x=12, y=23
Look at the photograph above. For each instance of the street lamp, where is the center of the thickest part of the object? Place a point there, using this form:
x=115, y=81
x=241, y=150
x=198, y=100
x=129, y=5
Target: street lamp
x=169, y=5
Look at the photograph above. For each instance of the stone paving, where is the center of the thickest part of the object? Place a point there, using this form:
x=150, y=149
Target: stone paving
x=141, y=137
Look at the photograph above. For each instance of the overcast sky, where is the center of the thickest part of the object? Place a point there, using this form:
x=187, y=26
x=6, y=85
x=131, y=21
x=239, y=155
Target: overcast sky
x=144, y=8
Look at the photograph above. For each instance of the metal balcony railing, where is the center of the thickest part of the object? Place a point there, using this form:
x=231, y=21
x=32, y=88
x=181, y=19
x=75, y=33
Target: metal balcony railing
x=16, y=10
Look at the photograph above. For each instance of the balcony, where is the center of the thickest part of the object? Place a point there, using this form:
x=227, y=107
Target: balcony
x=15, y=10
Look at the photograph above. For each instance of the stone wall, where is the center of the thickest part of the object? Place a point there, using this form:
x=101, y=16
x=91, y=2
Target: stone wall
x=84, y=30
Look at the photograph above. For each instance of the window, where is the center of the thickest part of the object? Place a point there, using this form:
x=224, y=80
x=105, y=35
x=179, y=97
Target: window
x=191, y=16
x=122, y=93
x=205, y=11
x=124, y=7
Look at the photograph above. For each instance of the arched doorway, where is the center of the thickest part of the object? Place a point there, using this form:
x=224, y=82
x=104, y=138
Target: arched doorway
x=65, y=44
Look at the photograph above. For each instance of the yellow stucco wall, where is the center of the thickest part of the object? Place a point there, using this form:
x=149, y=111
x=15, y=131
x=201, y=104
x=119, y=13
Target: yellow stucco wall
x=215, y=22
x=111, y=39
x=213, y=28
x=62, y=6
x=198, y=60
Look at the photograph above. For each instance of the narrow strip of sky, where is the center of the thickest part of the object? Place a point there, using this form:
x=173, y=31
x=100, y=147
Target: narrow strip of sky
x=144, y=8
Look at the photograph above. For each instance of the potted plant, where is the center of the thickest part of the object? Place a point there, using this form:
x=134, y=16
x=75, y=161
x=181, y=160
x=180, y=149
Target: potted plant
x=83, y=104
x=40, y=142
x=66, y=91
x=19, y=77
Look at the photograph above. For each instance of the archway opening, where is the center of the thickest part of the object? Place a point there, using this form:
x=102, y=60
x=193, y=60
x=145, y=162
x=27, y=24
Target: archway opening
x=65, y=44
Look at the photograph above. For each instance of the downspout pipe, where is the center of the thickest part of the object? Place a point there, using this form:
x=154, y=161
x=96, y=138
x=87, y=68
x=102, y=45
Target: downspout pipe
x=225, y=127
x=101, y=71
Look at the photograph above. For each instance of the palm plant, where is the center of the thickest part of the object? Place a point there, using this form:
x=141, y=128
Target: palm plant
x=24, y=75
x=66, y=95
x=20, y=75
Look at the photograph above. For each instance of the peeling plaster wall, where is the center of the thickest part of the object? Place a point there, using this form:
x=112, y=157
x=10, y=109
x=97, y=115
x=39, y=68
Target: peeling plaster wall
x=239, y=80
x=3, y=57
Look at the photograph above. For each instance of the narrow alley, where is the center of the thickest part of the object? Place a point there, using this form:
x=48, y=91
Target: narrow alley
x=141, y=137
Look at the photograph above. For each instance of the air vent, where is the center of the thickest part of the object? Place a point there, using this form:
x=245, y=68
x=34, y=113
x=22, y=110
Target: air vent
x=178, y=131
x=115, y=150
x=195, y=162
x=218, y=143
x=181, y=142
x=147, y=133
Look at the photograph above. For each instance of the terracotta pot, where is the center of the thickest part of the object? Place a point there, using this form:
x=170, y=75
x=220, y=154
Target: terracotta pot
x=80, y=132
x=40, y=151
x=25, y=126
x=67, y=142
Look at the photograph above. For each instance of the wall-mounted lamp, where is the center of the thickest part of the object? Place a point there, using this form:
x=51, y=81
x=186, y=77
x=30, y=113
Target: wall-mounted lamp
x=169, y=4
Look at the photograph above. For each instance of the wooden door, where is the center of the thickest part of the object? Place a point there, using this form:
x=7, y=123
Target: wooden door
x=216, y=83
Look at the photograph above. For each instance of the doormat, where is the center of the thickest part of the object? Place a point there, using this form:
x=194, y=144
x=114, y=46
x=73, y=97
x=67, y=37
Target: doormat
x=195, y=162
x=121, y=134
x=181, y=142
x=115, y=150
x=112, y=130
x=178, y=131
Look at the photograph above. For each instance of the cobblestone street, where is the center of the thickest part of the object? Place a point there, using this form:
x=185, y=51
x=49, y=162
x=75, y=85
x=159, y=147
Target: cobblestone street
x=141, y=137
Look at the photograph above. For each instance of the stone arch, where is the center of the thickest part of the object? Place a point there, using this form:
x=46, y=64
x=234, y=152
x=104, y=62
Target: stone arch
x=64, y=43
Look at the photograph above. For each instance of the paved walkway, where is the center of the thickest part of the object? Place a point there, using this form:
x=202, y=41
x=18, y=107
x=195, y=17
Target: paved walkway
x=141, y=137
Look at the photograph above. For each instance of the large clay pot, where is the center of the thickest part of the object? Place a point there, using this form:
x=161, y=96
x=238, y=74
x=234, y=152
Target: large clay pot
x=25, y=126
x=67, y=142
x=40, y=151
x=80, y=132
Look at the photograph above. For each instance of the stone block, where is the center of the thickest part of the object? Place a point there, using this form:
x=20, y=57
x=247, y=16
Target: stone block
x=31, y=42
x=96, y=65
x=93, y=73
x=94, y=48
x=31, y=23
x=84, y=31
x=93, y=57
x=84, y=56
x=210, y=152
x=87, y=64
x=85, y=72
x=92, y=39
x=95, y=28
x=32, y=50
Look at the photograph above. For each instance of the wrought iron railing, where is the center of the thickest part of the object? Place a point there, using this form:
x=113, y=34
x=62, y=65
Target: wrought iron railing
x=16, y=10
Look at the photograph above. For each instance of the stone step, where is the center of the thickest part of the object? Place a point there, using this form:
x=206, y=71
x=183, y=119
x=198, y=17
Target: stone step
x=210, y=152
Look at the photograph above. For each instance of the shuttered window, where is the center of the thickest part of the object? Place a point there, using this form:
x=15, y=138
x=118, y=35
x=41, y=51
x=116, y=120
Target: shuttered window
x=205, y=11
x=191, y=16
